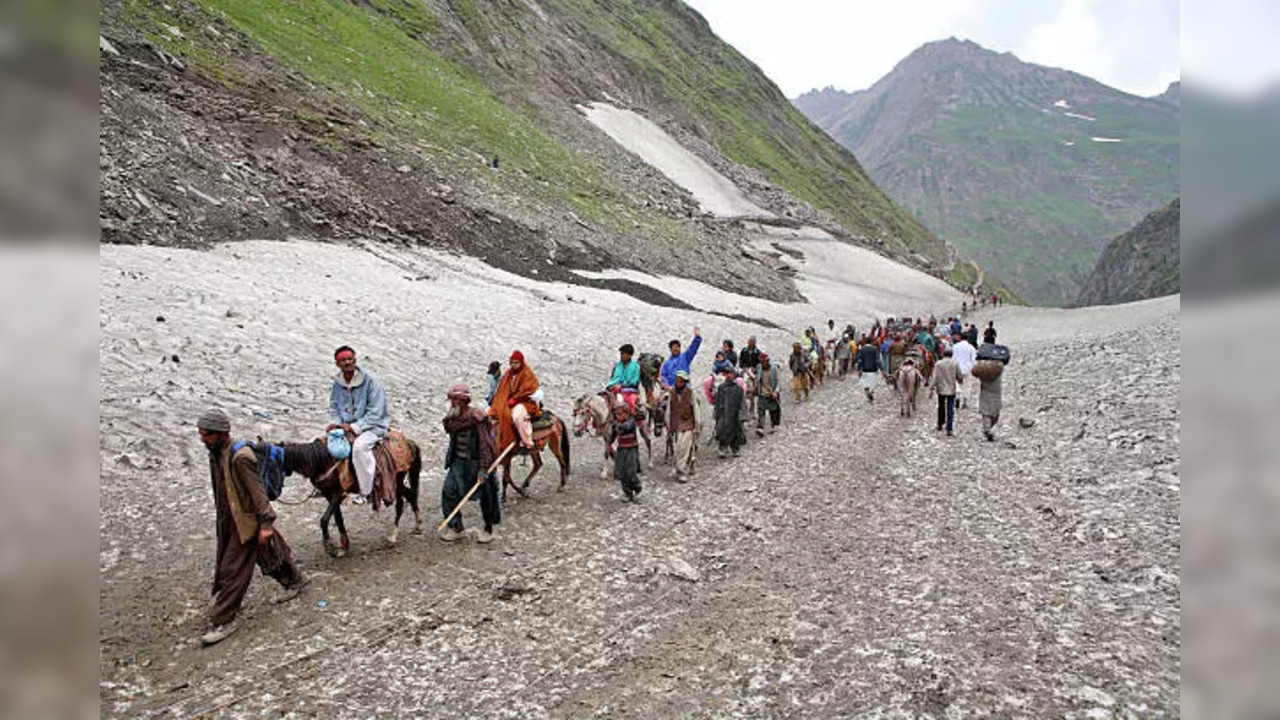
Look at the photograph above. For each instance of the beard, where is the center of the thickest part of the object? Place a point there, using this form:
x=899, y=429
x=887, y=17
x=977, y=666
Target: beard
x=452, y=411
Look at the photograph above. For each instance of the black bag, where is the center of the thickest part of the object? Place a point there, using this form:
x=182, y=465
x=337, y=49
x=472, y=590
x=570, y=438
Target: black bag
x=991, y=351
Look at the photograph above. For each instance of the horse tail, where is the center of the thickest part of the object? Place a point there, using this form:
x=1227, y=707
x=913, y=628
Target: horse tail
x=564, y=443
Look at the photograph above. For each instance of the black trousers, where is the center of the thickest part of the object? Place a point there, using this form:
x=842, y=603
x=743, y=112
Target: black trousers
x=946, y=411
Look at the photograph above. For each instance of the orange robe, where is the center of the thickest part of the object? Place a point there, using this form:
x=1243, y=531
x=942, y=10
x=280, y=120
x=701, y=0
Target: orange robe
x=520, y=386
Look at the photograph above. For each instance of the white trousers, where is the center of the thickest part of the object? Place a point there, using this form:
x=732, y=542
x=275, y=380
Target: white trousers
x=362, y=458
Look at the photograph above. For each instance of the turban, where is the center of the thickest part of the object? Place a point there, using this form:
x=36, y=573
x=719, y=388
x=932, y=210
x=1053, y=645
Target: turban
x=458, y=391
x=214, y=420
x=517, y=355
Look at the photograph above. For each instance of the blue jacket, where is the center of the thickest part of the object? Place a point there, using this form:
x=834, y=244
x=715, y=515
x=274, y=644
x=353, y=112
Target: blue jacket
x=627, y=376
x=363, y=405
x=868, y=359
x=680, y=362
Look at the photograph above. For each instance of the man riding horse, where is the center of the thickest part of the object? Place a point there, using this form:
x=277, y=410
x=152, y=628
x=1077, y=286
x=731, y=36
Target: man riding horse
x=358, y=405
x=624, y=381
x=513, y=406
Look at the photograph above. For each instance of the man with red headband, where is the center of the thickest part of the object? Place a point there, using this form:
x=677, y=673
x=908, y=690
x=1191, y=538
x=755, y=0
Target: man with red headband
x=358, y=405
x=514, y=405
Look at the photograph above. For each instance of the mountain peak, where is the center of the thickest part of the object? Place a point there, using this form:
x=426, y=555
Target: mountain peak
x=1172, y=95
x=1027, y=169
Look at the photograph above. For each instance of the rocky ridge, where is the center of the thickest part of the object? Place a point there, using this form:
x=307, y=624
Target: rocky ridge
x=1142, y=263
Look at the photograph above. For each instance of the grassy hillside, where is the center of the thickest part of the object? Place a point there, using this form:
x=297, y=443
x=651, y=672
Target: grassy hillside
x=458, y=82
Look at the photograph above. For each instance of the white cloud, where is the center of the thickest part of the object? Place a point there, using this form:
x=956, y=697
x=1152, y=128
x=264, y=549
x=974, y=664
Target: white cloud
x=1230, y=44
x=803, y=44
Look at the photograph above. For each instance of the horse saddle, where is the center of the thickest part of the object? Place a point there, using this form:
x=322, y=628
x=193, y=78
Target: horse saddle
x=392, y=456
x=543, y=423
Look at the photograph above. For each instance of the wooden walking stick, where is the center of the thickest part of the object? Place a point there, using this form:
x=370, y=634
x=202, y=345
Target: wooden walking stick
x=475, y=487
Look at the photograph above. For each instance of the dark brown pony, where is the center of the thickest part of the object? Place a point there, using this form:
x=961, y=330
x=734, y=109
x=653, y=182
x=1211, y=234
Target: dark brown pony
x=555, y=437
x=313, y=461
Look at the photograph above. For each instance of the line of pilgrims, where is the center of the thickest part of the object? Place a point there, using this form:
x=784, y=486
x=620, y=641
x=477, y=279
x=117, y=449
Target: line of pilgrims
x=744, y=383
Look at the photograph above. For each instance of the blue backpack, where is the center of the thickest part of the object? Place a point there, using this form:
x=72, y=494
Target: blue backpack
x=271, y=472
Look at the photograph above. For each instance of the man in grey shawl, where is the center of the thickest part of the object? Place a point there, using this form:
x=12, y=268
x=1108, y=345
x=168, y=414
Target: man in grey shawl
x=729, y=398
x=989, y=405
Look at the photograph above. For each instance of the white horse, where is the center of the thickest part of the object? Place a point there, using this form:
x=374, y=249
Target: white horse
x=593, y=415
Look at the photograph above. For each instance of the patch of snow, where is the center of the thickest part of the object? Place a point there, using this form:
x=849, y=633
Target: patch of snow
x=1078, y=115
x=1069, y=143
x=714, y=192
x=841, y=281
x=1062, y=104
x=1106, y=140
x=808, y=232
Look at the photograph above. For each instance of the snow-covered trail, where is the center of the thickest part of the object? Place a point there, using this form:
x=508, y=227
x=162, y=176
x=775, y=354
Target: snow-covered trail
x=853, y=563
x=572, y=610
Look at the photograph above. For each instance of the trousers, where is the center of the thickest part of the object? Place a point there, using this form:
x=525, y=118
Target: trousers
x=458, y=480
x=524, y=426
x=771, y=407
x=946, y=411
x=684, y=452
x=235, y=569
x=362, y=458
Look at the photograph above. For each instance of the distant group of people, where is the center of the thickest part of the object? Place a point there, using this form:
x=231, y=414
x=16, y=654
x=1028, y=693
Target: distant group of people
x=742, y=383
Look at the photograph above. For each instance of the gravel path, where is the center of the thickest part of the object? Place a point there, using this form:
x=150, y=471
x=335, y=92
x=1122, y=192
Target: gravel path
x=855, y=563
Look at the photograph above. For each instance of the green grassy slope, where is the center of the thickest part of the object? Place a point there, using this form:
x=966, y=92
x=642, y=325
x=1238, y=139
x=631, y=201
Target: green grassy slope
x=456, y=79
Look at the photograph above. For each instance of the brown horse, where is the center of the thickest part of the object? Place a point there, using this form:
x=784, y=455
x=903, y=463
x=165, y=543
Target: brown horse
x=553, y=435
x=313, y=461
x=909, y=381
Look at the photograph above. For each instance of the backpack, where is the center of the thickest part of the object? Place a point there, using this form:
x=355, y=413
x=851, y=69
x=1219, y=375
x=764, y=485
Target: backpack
x=271, y=472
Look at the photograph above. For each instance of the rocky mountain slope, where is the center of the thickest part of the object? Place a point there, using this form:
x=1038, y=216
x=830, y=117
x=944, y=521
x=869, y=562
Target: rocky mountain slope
x=234, y=119
x=1028, y=169
x=1142, y=263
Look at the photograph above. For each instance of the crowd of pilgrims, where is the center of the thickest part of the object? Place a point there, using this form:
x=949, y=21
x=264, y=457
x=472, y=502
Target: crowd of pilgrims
x=744, y=384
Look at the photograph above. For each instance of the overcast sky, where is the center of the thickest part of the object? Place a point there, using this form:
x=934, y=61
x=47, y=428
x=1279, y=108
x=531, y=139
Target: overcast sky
x=1128, y=44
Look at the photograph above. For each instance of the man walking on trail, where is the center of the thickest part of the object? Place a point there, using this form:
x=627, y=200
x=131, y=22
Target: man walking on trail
x=728, y=403
x=989, y=406
x=358, y=405
x=946, y=379
x=469, y=454
x=867, y=363
x=245, y=528
x=626, y=459
x=989, y=335
x=678, y=360
x=965, y=355
x=768, y=397
x=798, y=363
x=682, y=418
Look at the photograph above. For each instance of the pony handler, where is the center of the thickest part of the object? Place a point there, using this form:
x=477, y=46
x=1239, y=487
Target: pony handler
x=470, y=452
x=246, y=533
